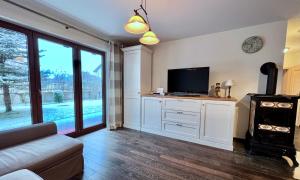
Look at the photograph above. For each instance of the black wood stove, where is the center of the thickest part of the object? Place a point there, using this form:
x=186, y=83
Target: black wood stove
x=272, y=120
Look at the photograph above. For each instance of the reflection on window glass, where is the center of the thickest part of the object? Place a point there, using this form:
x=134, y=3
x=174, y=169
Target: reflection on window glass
x=56, y=71
x=15, y=108
x=92, y=69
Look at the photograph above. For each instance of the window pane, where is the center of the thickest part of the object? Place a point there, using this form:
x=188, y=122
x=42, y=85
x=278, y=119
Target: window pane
x=56, y=70
x=15, y=108
x=91, y=68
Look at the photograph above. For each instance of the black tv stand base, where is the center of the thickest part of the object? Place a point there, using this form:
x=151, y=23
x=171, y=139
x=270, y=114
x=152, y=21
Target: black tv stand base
x=185, y=94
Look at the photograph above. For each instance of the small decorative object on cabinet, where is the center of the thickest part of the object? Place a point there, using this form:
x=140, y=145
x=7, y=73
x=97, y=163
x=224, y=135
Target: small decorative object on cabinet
x=229, y=84
x=218, y=90
x=160, y=91
x=137, y=81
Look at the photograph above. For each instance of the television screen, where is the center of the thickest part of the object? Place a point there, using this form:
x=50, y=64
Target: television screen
x=189, y=80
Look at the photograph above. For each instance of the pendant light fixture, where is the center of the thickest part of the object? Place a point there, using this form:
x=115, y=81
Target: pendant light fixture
x=137, y=24
x=149, y=38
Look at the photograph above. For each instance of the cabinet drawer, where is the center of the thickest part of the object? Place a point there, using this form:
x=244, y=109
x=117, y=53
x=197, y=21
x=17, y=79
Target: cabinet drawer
x=182, y=129
x=182, y=105
x=181, y=116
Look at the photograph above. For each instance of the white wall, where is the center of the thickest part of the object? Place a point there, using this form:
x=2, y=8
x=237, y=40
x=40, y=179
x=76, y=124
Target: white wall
x=23, y=17
x=222, y=53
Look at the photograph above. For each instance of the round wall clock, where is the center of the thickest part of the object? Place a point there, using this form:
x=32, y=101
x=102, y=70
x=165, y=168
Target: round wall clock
x=252, y=44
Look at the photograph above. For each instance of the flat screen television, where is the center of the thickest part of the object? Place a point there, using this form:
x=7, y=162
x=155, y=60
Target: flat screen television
x=189, y=80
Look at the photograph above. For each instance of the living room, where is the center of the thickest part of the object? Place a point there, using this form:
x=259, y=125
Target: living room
x=107, y=89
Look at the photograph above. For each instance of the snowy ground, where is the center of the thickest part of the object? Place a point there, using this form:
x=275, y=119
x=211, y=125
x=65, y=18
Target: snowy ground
x=62, y=114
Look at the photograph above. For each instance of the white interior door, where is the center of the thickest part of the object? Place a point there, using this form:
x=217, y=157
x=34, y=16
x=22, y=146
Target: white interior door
x=293, y=86
x=298, y=114
x=296, y=89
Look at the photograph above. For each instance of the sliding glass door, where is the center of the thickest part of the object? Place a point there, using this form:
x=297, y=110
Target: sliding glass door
x=92, y=88
x=59, y=93
x=15, y=103
x=56, y=74
x=48, y=79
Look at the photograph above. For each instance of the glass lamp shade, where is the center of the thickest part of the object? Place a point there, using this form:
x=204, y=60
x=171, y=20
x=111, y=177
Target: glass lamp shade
x=229, y=83
x=136, y=25
x=149, y=38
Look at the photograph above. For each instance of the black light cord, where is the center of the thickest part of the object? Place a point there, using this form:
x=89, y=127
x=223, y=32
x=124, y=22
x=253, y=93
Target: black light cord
x=145, y=11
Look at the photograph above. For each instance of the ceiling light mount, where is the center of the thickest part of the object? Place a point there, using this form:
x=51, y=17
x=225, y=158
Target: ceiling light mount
x=137, y=24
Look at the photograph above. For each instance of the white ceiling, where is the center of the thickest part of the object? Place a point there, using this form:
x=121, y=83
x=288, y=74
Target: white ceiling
x=170, y=19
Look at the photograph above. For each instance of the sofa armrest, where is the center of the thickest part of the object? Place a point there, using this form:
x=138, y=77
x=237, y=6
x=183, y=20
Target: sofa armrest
x=21, y=175
x=24, y=134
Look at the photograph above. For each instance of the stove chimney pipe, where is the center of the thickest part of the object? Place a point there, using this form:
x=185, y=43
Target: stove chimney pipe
x=270, y=69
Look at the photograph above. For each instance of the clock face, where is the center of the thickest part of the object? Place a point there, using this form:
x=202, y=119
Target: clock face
x=252, y=44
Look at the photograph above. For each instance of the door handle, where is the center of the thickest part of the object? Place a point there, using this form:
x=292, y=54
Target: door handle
x=178, y=124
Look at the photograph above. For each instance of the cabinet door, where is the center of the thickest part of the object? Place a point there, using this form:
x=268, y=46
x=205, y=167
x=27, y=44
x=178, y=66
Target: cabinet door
x=152, y=109
x=132, y=116
x=217, y=122
x=132, y=68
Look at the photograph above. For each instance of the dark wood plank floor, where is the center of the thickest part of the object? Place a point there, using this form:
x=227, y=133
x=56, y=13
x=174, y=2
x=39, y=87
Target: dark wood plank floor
x=128, y=154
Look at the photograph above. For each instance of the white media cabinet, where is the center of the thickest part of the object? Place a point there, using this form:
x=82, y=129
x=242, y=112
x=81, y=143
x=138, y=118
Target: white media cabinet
x=203, y=120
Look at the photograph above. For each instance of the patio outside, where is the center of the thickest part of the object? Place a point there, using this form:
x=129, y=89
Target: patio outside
x=62, y=114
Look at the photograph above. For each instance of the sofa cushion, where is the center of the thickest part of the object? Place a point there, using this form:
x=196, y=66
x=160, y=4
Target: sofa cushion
x=22, y=174
x=38, y=155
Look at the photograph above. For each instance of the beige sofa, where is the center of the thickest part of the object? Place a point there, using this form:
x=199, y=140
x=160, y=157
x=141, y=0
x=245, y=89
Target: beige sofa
x=40, y=149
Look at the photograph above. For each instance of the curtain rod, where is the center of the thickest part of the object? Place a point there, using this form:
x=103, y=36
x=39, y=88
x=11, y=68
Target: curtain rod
x=55, y=20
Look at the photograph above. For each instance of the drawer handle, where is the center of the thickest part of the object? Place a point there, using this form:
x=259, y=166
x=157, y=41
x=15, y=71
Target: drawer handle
x=178, y=124
x=179, y=112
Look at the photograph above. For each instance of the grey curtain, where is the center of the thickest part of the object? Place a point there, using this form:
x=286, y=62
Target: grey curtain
x=115, y=92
